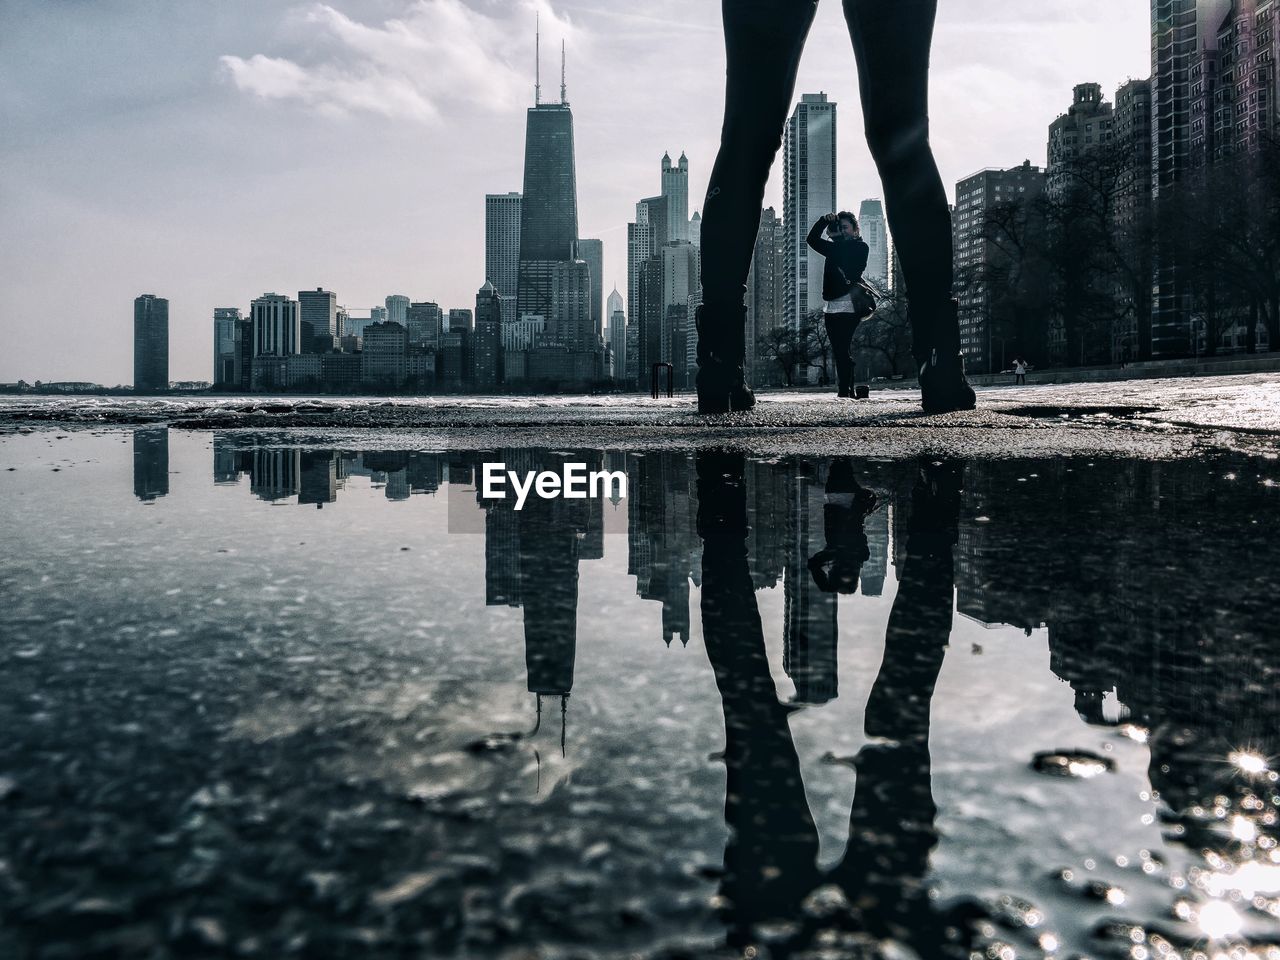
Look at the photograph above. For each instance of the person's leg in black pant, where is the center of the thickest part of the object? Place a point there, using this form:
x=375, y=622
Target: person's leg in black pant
x=770, y=859
x=840, y=330
x=891, y=41
x=763, y=42
x=892, y=828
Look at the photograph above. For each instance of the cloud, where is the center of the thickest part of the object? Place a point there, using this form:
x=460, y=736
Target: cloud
x=441, y=56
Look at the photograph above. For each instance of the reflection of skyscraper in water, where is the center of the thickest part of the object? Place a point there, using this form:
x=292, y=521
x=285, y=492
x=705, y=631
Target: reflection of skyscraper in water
x=276, y=473
x=550, y=534
x=661, y=509
x=809, y=630
x=151, y=463
x=766, y=507
x=398, y=485
x=876, y=568
x=318, y=482
x=226, y=460
x=501, y=554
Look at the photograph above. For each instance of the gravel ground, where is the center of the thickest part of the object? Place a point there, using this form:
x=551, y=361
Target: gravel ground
x=1151, y=419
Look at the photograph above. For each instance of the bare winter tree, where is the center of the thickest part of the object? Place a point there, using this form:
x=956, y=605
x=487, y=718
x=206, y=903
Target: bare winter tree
x=782, y=346
x=883, y=340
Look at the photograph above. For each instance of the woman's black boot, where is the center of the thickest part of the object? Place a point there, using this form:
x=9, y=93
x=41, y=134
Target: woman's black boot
x=721, y=381
x=943, y=385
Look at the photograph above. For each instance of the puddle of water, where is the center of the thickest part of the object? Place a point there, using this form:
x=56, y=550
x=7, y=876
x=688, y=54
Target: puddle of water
x=261, y=701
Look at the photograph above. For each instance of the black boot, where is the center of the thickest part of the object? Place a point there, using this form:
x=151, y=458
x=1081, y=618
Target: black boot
x=722, y=348
x=943, y=385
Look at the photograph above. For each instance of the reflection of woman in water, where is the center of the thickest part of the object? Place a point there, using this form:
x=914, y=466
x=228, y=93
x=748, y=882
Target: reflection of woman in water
x=763, y=43
x=770, y=860
x=836, y=567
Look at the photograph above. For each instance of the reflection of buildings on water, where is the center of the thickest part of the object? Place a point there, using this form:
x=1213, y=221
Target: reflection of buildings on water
x=319, y=478
x=531, y=562
x=1152, y=587
x=151, y=463
x=809, y=626
x=316, y=475
x=661, y=536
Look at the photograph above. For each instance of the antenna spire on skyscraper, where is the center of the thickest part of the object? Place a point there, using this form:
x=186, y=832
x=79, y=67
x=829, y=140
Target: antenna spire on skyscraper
x=537, y=61
x=564, y=90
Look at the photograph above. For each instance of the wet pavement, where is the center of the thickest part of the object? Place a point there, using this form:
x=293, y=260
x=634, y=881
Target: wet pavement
x=303, y=692
x=1149, y=419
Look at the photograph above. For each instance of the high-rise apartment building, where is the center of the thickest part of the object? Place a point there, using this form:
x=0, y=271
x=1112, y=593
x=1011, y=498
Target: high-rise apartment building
x=809, y=191
x=502, y=248
x=675, y=187
x=425, y=323
x=644, y=238
x=1087, y=125
x=592, y=251
x=766, y=293
x=617, y=334
x=398, y=309
x=384, y=359
x=318, y=316
x=1181, y=32
x=486, y=348
x=876, y=233
x=976, y=254
x=150, y=344
x=226, y=321
x=277, y=327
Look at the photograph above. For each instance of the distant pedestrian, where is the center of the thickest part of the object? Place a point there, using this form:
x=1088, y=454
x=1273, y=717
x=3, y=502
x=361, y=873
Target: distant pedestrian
x=1020, y=372
x=847, y=301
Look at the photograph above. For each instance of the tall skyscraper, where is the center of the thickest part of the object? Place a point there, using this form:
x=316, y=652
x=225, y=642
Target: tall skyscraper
x=571, y=324
x=225, y=321
x=549, y=209
x=398, y=309
x=617, y=334
x=150, y=344
x=809, y=191
x=1181, y=31
x=502, y=248
x=460, y=318
x=277, y=328
x=675, y=187
x=486, y=350
x=644, y=238
x=876, y=232
x=318, y=315
x=592, y=251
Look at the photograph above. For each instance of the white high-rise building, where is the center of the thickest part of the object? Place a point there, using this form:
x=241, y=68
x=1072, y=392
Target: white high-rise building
x=502, y=248
x=277, y=328
x=809, y=191
x=675, y=187
x=398, y=309
x=876, y=233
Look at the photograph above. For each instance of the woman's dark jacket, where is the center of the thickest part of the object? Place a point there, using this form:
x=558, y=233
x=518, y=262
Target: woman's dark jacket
x=846, y=259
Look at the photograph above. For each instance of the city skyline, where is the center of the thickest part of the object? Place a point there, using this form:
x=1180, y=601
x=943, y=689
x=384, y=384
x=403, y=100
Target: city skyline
x=175, y=155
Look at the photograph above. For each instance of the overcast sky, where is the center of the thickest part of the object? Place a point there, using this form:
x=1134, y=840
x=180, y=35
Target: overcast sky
x=210, y=152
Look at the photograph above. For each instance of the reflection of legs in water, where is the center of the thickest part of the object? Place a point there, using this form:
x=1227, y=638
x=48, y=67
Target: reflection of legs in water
x=892, y=42
x=891, y=829
x=769, y=861
x=763, y=41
